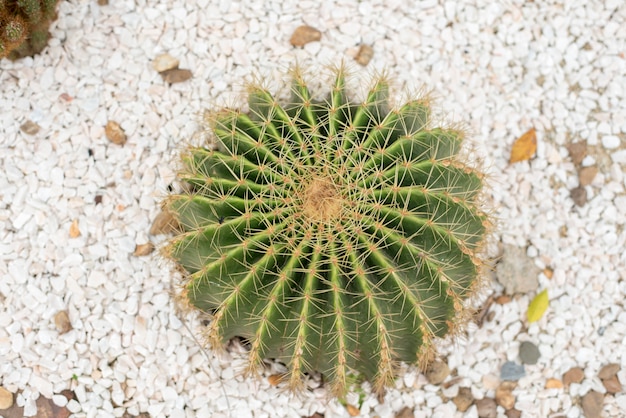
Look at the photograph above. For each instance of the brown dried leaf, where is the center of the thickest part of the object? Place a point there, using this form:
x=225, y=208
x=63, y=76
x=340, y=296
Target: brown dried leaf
x=74, y=231
x=143, y=249
x=305, y=34
x=275, y=379
x=164, y=223
x=115, y=133
x=524, y=147
x=176, y=75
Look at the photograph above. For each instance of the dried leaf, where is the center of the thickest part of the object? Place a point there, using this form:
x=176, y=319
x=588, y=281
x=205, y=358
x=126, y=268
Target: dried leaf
x=74, y=231
x=143, y=249
x=538, y=306
x=176, y=75
x=164, y=223
x=524, y=147
x=275, y=379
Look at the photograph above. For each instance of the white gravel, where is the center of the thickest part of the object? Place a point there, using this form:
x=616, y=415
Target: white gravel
x=502, y=67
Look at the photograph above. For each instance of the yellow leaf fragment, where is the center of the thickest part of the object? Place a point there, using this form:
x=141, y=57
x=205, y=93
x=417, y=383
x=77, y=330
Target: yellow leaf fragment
x=524, y=147
x=74, y=231
x=538, y=306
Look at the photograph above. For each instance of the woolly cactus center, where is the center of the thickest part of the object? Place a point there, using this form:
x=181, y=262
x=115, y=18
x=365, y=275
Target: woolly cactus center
x=321, y=201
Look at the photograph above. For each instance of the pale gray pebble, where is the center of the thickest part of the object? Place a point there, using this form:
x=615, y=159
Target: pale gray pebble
x=512, y=371
x=529, y=353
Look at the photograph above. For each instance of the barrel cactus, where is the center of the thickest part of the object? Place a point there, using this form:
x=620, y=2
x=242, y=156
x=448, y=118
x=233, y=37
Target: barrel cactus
x=335, y=236
x=24, y=26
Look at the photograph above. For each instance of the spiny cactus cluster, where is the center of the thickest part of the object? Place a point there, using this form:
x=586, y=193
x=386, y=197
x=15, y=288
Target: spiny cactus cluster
x=24, y=26
x=335, y=236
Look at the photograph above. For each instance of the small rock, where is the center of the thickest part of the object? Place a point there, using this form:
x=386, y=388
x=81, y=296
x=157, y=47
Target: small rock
x=528, y=353
x=436, y=372
x=504, y=395
x=513, y=413
x=405, y=412
x=62, y=322
x=103, y=2
x=317, y=415
x=164, y=223
x=586, y=175
x=612, y=385
x=143, y=249
x=548, y=272
x=592, y=404
x=275, y=379
x=305, y=34
x=512, y=371
x=579, y=196
x=353, y=411
x=74, y=230
x=97, y=199
x=610, y=141
x=364, y=55
x=553, y=383
x=464, y=399
x=29, y=127
x=165, y=62
x=176, y=75
x=516, y=271
x=6, y=398
x=115, y=133
x=487, y=408
x=503, y=299
x=608, y=371
x=573, y=375
x=577, y=151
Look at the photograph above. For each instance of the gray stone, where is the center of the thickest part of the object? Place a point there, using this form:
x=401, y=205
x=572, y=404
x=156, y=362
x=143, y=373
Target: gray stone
x=528, y=353
x=516, y=271
x=512, y=371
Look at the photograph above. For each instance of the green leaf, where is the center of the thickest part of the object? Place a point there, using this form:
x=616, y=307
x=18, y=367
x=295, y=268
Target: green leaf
x=538, y=306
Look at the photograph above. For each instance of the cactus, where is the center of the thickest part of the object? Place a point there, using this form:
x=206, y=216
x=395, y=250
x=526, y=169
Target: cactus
x=336, y=237
x=24, y=26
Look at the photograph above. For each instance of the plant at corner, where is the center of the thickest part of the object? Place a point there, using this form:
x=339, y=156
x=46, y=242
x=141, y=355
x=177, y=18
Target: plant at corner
x=335, y=236
x=24, y=26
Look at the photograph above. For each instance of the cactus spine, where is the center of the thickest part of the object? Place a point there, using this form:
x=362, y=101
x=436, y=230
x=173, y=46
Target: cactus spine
x=24, y=26
x=337, y=237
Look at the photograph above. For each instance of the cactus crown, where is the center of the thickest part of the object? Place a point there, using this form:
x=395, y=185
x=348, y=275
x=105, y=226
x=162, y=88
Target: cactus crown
x=336, y=236
x=24, y=26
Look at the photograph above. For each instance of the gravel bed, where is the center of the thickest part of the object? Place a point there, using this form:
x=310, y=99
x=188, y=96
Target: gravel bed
x=74, y=206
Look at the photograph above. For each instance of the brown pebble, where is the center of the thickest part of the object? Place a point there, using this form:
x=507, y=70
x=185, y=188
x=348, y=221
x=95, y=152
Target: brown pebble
x=608, y=371
x=6, y=398
x=553, y=383
x=29, y=127
x=464, y=399
x=275, y=379
x=164, y=62
x=405, y=412
x=586, y=175
x=103, y=2
x=579, y=195
x=176, y=75
x=164, y=223
x=487, y=408
x=97, y=199
x=513, y=413
x=115, y=133
x=317, y=415
x=353, y=411
x=504, y=394
x=503, y=299
x=305, y=34
x=573, y=375
x=548, y=272
x=143, y=249
x=577, y=151
x=364, y=55
x=612, y=385
x=436, y=372
x=62, y=322
x=592, y=404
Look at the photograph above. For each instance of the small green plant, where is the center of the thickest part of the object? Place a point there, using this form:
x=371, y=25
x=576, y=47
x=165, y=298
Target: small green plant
x=24, y=26
x=335, y=236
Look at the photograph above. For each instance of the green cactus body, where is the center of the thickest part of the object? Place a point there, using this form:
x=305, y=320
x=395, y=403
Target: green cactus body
x=337, y=237
x=24, y=26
